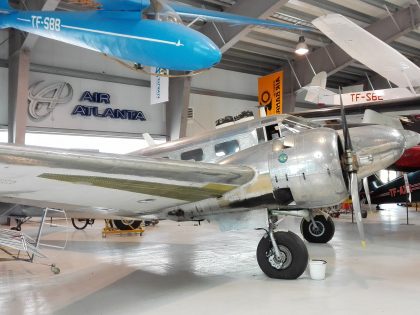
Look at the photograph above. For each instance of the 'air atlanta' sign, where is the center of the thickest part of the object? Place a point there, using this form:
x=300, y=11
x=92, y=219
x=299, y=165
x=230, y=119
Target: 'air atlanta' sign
x=108, y=112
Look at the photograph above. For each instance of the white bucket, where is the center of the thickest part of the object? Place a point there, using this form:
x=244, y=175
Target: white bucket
x=317, y=269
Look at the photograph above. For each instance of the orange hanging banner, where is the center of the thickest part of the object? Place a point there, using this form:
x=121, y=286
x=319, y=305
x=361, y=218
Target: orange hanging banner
x=270, y=93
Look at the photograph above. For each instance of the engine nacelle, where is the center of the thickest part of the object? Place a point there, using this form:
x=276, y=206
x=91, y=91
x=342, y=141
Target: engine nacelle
x=308, y=164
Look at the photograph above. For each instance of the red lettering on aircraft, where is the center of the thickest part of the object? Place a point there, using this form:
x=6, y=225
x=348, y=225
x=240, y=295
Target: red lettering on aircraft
x=369, y=97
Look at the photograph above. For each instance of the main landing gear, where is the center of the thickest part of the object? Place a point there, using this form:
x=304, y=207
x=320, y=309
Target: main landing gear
x=317, y=229
x=281, y=255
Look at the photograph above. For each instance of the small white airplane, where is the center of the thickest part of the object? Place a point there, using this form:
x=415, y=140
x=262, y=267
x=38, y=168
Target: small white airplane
x=373, y=53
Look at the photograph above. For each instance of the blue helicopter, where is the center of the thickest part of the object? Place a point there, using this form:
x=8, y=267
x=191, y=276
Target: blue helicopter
x=145, y=32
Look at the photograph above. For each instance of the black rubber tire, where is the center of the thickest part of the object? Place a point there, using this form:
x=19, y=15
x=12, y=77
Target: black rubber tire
x=126, y=226
x=296, y=247
x=364, y=214
x=327, y=233
x=84, y=223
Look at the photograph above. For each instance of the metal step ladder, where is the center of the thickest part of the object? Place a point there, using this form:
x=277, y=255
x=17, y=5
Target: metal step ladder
x=16, y=241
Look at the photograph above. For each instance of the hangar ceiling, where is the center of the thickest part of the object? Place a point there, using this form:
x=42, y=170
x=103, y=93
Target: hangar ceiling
x=260, y=51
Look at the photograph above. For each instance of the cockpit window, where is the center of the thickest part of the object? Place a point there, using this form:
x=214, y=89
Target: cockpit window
x=226, y=148
x=196, y=155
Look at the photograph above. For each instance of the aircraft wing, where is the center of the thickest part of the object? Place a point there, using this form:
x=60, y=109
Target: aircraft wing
x=104, y=185
x=190, y=13
x=369, y=50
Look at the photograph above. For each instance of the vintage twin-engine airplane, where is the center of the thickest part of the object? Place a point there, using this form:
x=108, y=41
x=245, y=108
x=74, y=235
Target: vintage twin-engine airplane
x=306, y=168
x=149, y=33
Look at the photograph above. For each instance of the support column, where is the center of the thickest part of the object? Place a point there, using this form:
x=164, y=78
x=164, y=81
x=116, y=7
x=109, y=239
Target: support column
x=19, y=64
x=177, y=108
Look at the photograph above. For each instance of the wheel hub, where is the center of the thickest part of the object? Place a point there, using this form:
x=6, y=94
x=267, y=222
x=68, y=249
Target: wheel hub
x=127, y=222
x=317, y=229
x=284, y=260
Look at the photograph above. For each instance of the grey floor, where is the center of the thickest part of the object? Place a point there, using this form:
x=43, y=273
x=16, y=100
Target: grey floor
x=186, y=269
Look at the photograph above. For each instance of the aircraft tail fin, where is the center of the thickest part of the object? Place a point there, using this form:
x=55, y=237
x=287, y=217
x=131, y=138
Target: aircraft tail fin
x=374, y=182
x=319, y=80
x=317, y=92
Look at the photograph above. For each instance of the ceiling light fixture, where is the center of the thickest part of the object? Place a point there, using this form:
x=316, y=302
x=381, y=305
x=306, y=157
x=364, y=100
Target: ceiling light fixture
x=302, y=47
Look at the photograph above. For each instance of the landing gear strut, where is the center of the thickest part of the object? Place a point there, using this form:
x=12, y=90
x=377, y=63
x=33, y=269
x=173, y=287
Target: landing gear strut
x=282, y=255
x=318, y=229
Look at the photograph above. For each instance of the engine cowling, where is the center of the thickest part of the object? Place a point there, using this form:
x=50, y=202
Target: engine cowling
x=308, y=165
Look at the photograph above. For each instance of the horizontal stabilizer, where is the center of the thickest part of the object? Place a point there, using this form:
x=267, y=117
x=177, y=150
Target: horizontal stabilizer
x=369, y=50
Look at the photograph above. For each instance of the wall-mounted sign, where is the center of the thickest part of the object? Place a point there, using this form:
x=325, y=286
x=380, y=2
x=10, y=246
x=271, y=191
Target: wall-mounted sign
x=270, y=93
x=104, y=112
x=59, y=102
x=43, y=98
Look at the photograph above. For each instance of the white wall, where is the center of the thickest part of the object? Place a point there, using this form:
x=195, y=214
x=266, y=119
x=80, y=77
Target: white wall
x=227, y=81
x=207, y=109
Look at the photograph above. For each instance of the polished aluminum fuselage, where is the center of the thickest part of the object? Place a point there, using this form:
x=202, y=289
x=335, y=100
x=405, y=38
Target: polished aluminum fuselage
x=258, y=176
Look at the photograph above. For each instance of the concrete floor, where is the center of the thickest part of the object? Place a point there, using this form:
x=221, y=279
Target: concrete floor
x=185, y=269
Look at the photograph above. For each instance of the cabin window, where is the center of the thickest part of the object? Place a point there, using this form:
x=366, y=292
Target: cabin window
x=196, y=155
x=260, y=135
x=272, y=132
x=226, y=148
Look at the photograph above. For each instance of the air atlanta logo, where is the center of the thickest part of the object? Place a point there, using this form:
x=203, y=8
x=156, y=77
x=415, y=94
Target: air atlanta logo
x=43, y=101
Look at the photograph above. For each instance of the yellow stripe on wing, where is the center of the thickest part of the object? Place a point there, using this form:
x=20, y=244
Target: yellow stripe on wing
x=179, y=192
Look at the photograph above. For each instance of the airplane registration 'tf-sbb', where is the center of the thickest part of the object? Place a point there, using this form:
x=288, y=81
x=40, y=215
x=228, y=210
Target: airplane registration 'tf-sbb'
x=305, y=169
x=149, y=33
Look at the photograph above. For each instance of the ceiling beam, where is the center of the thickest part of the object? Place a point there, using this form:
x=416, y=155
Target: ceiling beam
x=232, y=34
x=332, y=58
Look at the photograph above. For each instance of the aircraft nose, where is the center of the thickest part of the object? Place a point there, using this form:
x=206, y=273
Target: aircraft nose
x=411, y=138
x=207, y=52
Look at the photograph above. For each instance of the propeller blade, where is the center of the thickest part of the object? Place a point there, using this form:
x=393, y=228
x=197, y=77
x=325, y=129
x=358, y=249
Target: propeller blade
x=367, y=192
x=347, y=141
x=356, y=207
